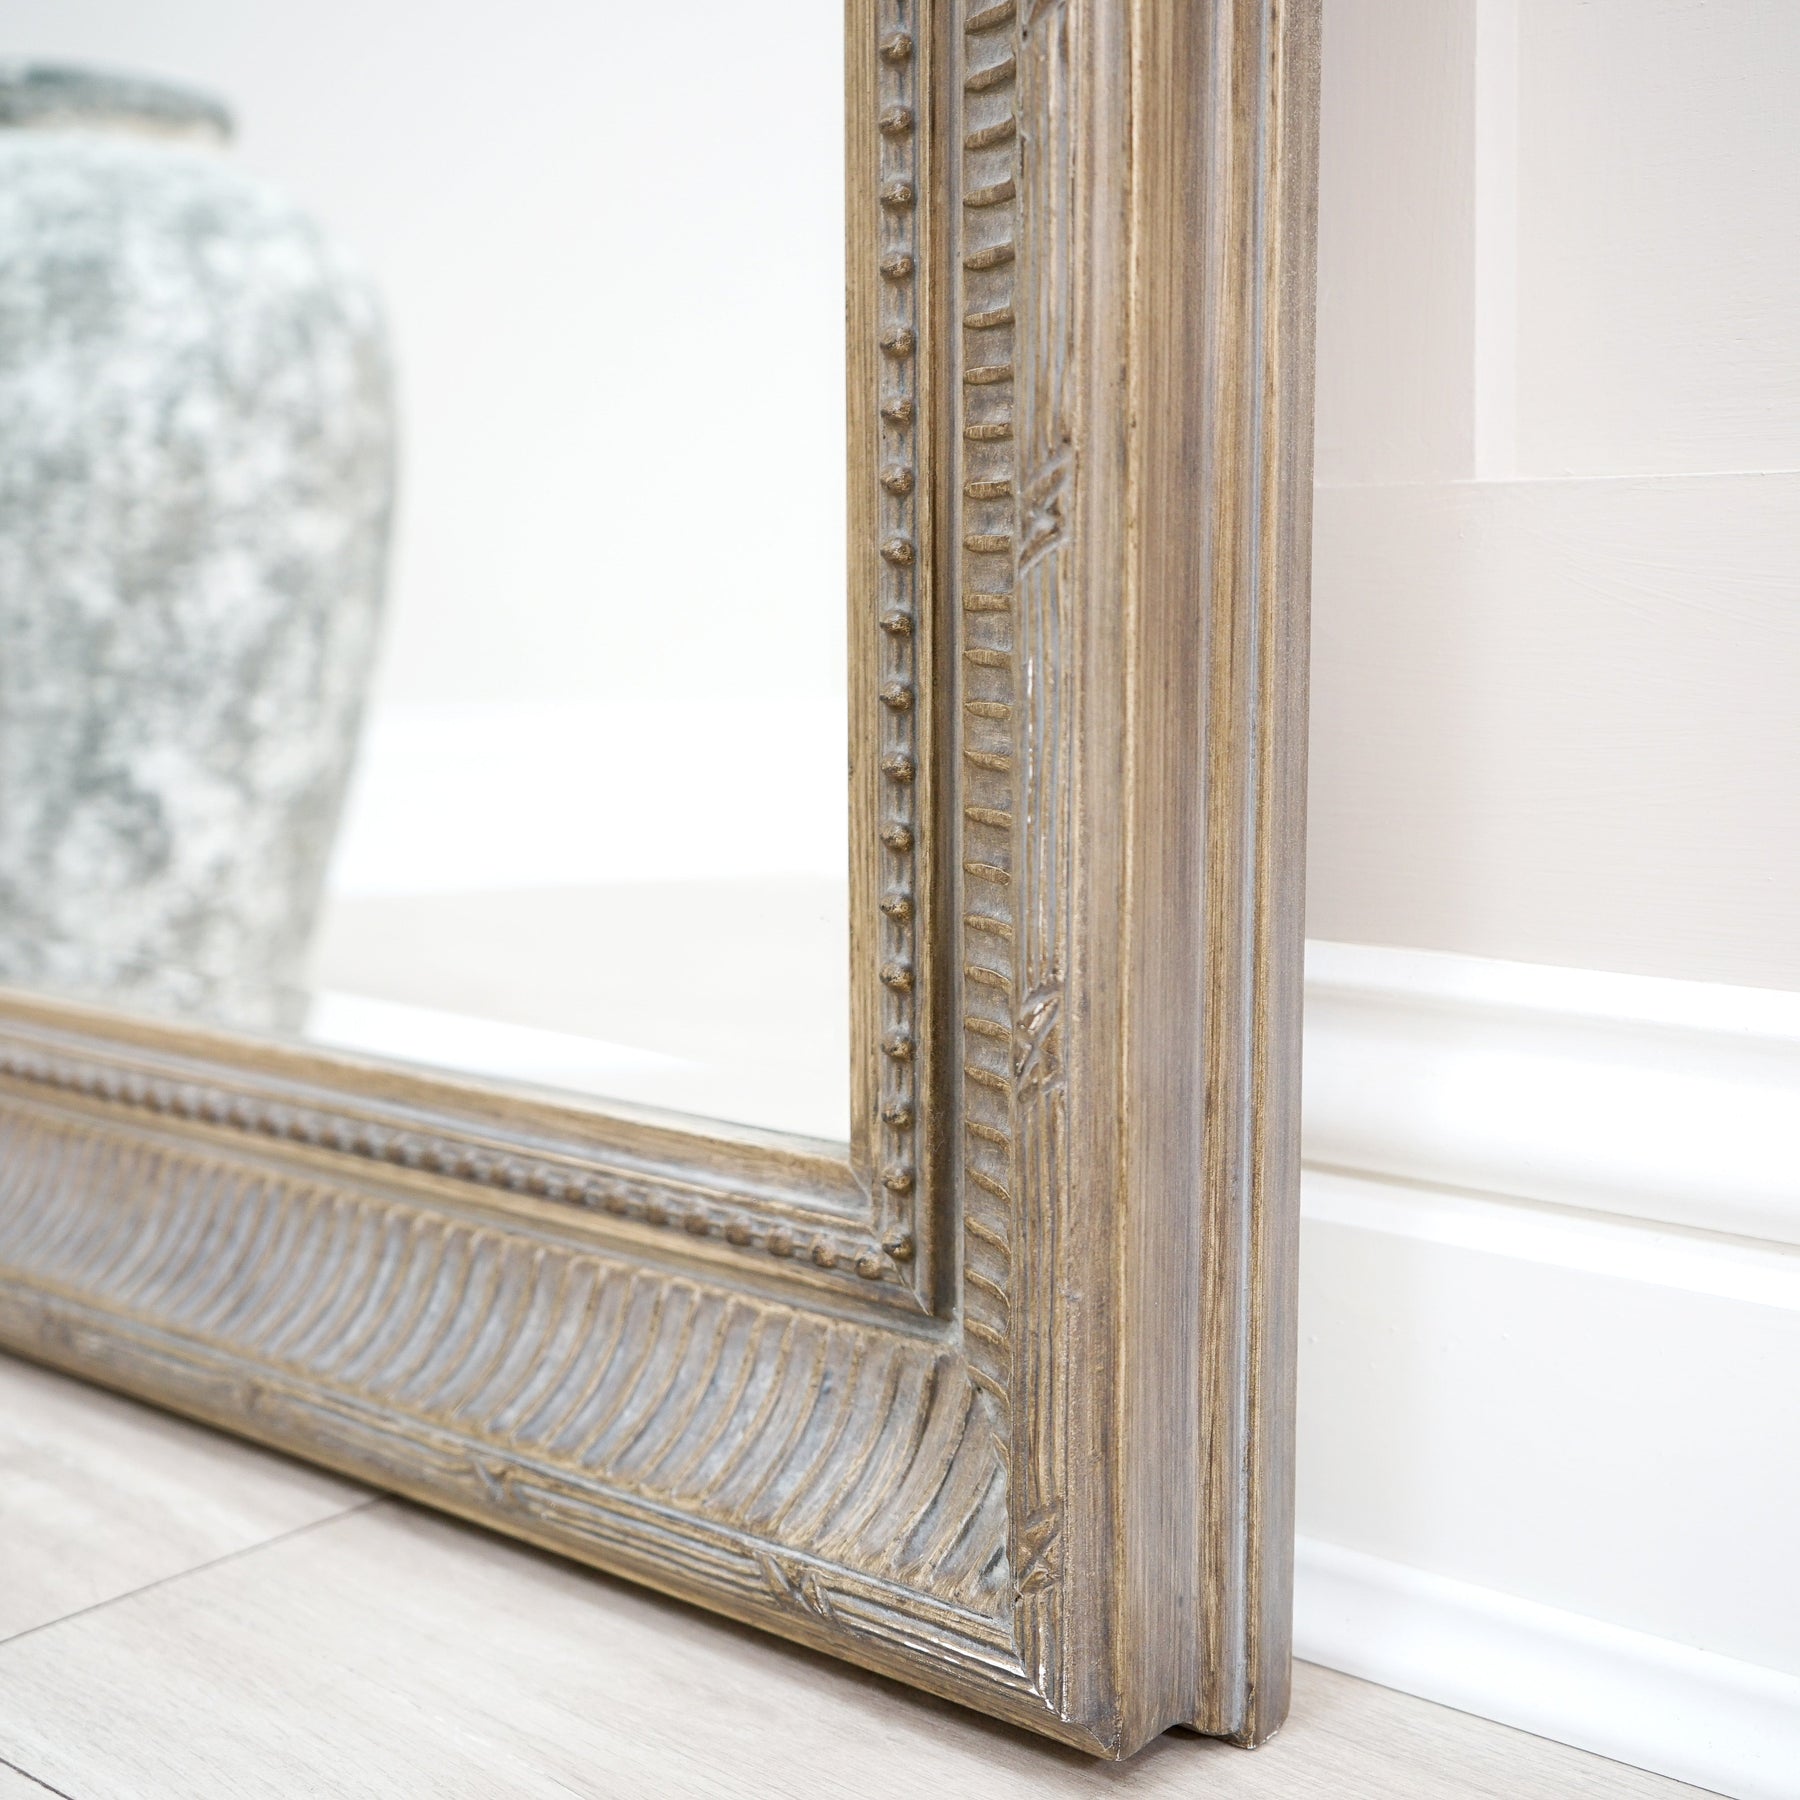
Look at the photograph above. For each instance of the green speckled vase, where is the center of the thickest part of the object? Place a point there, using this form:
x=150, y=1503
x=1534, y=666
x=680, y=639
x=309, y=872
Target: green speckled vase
x=196, y=480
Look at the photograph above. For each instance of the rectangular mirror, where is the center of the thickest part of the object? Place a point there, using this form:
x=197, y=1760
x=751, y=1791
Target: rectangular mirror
x=509, y=258
x=650, y=791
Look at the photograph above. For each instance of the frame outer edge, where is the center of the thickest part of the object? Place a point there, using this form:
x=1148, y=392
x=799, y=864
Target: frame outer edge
x=1195, y=182
x=1290, y=268
x=1260, y=295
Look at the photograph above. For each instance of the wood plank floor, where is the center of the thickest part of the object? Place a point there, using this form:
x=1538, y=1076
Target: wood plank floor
x=183, y=1616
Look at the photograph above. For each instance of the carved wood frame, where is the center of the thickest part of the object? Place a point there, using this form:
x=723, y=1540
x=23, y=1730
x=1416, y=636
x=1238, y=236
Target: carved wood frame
x=999, y=1404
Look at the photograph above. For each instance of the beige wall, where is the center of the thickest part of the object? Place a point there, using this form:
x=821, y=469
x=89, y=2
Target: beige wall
x=1557, y=574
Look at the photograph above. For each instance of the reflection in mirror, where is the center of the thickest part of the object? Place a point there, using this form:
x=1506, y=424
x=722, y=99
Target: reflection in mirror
x=528, y=760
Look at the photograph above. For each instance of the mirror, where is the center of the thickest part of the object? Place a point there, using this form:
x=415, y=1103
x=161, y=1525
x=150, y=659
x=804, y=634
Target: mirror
x=422, y=534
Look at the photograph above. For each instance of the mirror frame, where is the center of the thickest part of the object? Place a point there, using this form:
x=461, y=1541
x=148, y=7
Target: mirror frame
x=1001, y=1403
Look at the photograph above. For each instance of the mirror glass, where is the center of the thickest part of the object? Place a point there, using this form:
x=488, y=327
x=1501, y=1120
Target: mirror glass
x=422, y=533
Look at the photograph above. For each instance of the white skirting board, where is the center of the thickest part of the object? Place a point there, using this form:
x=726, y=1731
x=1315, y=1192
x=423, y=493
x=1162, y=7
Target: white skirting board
x=1674, y=1101
x=1724, y=1725
x=1550, y=1362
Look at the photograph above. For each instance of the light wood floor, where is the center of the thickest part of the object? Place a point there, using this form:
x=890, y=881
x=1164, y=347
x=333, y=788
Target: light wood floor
x=185, y=1617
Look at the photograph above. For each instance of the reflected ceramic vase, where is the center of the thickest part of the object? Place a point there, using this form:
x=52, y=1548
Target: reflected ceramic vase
x=196, y=478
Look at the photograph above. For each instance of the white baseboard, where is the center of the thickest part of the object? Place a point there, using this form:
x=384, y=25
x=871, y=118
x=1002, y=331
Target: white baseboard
x=1550, y=1295
x=1672, y=1101
x=1723, y=1725
x=1726, y=1268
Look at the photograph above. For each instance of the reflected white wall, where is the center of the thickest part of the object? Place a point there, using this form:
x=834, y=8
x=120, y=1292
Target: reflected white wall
x=610, y=238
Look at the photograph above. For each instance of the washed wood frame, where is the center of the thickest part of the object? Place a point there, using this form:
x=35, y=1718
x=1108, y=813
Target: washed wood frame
x=1000, y=1402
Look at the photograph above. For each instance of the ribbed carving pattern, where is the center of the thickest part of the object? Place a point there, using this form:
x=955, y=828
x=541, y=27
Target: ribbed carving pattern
x=987, y=775
x=1017, y=493
x=565, y=1381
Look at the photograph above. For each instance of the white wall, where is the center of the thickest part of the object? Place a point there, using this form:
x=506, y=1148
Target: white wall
x=1557, y=578
x=1549, y=1440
